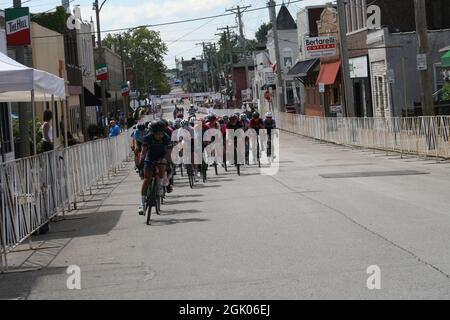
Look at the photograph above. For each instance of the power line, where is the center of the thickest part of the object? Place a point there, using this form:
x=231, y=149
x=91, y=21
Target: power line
x=172, y=22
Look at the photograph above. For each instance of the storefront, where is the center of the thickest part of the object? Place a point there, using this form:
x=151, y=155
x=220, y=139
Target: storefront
x=305, y=74
x=359, y=74
x=330, y=80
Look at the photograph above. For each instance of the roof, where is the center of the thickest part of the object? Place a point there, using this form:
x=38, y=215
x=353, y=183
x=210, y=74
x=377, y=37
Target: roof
x=285, y=20
x=302, y=68
x=241, y=63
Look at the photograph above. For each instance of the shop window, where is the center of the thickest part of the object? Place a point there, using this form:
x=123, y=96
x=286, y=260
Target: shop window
x=5, y=129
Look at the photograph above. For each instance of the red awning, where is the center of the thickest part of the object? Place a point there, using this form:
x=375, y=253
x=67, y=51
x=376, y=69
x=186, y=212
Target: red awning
x=328, y=73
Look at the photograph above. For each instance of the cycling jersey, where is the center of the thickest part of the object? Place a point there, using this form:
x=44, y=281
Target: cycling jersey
x=156, y=150
x=256, y=124
x=269, y=124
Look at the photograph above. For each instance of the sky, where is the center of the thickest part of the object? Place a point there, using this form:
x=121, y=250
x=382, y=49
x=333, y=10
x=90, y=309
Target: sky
x=183, y=40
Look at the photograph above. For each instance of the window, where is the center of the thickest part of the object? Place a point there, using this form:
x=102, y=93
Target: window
x=5, y=129
x=380, y=95
x=287, y=57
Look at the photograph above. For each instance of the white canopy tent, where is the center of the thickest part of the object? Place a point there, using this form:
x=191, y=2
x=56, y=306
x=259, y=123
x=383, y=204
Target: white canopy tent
x=19, y=83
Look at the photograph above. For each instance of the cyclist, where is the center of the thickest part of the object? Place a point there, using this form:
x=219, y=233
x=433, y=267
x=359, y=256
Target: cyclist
x=169, y=131
x=192, y=111
x=256, y=123
x=269, y=124
x=136, y=145
x=155, y=150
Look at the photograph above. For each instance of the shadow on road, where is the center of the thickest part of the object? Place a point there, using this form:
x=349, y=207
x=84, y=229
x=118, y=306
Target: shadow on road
x=161, y=222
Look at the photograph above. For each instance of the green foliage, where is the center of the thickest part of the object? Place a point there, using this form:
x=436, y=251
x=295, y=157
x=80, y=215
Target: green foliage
x=144, y=51
x=446, y=92
x=16, y=134
x=55, y=21
x=261, y=34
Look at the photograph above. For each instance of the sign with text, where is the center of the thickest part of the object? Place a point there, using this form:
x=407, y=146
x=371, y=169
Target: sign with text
x=270, y=79
x=18, y=26
x=422, y=62
x=125, y=90
x=320, y=47
x=359, y=67
x=101, y=72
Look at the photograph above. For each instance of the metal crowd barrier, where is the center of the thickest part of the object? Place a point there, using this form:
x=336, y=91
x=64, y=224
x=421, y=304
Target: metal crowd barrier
x=421, y=136
x=36, y=189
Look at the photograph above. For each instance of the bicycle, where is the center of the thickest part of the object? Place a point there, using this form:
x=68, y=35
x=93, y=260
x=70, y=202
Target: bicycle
x=153, y=199
x=190, y=174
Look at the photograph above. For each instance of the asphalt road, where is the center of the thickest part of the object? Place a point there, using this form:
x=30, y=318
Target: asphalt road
x=309, y=232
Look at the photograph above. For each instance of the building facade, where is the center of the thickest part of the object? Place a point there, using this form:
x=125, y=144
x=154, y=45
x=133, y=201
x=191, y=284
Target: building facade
x=391, y=52
x=49, y=55
x=288, y=45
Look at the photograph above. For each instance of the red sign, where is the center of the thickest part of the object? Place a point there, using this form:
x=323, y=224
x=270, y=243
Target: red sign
x=18, y=26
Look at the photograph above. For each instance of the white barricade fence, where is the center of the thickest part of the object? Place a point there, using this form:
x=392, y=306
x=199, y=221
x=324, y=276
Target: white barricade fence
x=421, y=136
x=34, y=190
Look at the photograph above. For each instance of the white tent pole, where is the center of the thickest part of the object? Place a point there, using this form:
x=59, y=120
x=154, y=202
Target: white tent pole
x=33, y=108
x=53, y=117
x=66, y=114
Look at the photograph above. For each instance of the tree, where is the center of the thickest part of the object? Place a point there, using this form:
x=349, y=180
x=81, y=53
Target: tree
x=261, y=34
x=143, y=51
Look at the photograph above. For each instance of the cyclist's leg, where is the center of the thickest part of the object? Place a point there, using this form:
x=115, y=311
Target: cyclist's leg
x=145, y=185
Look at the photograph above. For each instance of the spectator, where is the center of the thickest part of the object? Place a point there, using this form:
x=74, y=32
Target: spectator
x=47, y=131
x=114, y=129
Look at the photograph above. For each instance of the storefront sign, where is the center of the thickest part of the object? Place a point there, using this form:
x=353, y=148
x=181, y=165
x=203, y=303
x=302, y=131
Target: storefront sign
x=320, y=47
x=18, y=26
x=125, y=90
x=270, y=79
x=359, y=67
x=101, y=72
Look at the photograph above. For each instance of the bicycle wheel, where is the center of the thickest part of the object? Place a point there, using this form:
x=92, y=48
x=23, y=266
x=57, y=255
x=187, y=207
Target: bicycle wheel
x=190, y=174
x=204, y=170
x=150, y=202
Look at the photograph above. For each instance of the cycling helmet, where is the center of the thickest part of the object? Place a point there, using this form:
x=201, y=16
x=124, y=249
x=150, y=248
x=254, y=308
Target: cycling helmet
x=243, y=116
x=234, y=117
x=177, y=124
x=256, y=115
x=212, y=117
x=158, y=126
x=141, y=127
x=225, y=118
x=185, y=123
x=269, y=115
x=164, y=122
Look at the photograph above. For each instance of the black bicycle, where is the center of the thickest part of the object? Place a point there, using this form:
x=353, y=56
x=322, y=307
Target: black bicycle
x=153, y=199
x=190, y=174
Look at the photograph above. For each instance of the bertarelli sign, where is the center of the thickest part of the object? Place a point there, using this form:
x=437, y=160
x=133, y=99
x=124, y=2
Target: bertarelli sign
x=320, y=47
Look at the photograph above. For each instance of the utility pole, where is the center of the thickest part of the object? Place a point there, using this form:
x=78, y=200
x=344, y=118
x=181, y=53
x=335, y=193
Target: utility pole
x=97, y=9
x=219, y=69
x=345, y=65
x=230, y=53
x=422, y=49
x=273, y=19
x=24, y=114
x=242, y=42
x=124, y=79
x=211, y=69
x=205, y=59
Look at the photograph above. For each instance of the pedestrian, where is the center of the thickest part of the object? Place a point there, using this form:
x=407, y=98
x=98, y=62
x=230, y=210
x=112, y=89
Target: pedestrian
x=114, y=129
x=47, y=131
